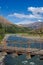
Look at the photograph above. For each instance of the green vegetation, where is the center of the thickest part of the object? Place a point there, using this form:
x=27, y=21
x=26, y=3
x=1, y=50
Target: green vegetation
x=6, y=29
x=13, y=29
x=1, y=32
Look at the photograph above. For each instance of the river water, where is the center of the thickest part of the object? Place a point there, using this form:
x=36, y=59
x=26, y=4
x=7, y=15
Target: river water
x=23, y=42
x=22, y=60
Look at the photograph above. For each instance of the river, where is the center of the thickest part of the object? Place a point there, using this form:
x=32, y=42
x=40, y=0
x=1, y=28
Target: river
x=22, y=60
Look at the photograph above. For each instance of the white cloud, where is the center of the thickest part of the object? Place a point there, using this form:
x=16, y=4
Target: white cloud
x=25, y=22
x=36, y=14
x=36, y=11
x=21, y=15
x=39, y=20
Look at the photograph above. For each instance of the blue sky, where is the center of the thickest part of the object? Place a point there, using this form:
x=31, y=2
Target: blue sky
x=22, y=11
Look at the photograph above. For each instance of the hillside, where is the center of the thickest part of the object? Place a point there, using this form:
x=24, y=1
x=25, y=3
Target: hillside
x=8, y=27
x=4, y=21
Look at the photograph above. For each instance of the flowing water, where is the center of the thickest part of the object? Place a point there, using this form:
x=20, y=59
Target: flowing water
x=21, y=60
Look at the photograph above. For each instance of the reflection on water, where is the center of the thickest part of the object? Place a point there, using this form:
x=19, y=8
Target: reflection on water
x=21, y=60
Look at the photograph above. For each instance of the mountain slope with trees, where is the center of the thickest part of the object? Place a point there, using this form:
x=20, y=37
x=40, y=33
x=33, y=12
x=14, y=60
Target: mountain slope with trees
x=8, y=27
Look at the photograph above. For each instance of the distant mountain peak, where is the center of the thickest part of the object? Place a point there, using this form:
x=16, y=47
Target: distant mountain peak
x=33, y=25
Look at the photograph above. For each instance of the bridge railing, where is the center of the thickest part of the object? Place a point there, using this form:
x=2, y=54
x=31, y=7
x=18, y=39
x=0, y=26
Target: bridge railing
x=23, y=44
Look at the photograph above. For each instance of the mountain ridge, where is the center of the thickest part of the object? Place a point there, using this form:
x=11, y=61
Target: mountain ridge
x=34, y=25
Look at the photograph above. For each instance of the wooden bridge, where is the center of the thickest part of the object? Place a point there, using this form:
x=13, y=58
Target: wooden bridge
x=20, y=50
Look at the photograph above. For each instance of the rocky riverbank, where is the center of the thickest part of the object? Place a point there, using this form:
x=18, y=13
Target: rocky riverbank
x=2, y=56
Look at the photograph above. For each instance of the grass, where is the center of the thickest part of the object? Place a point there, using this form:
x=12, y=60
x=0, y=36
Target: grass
x=1, y=37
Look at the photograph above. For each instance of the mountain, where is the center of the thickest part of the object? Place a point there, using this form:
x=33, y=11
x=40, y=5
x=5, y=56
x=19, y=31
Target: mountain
x=4, y=21
x=8, y=27
x=34, y=25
